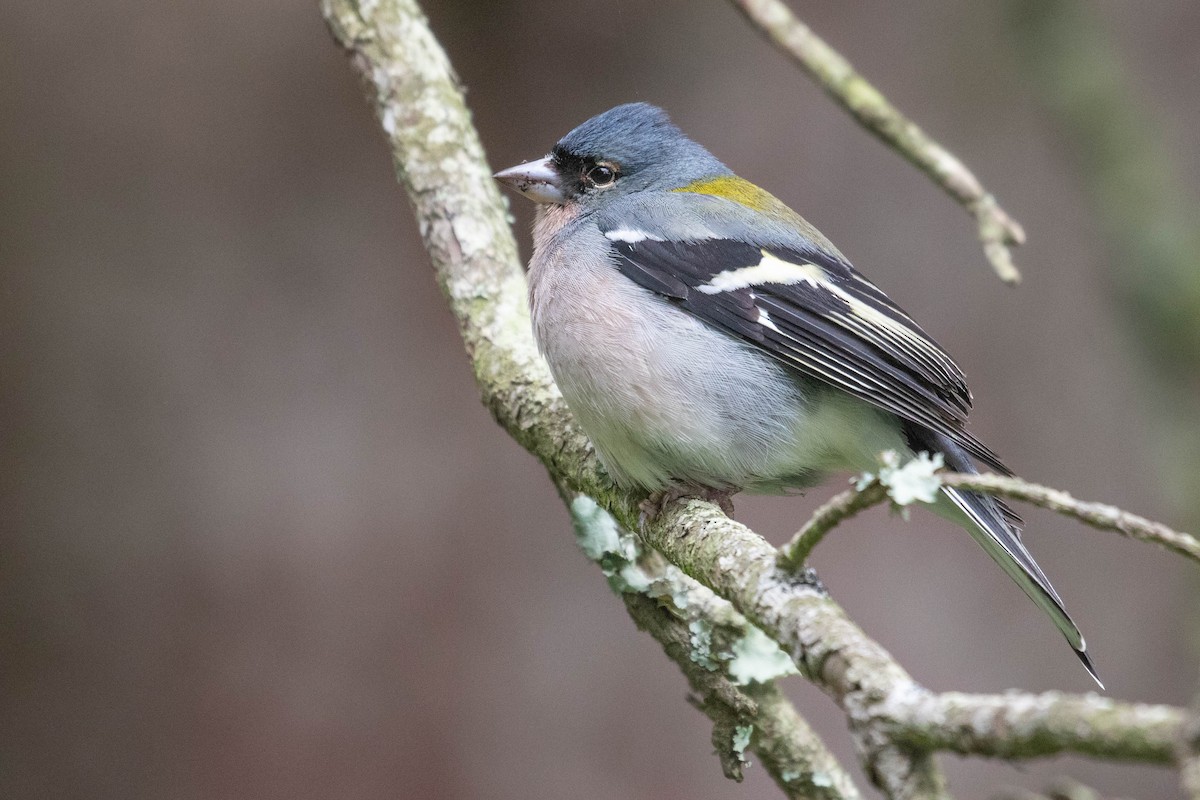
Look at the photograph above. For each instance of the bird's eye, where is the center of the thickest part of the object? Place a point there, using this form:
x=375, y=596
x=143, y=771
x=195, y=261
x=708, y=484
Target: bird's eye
x=601, y=175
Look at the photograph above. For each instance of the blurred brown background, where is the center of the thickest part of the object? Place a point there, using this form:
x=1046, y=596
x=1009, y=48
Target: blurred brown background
x=259, y=537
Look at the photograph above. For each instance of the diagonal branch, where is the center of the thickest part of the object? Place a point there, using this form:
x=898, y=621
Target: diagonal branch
x=463, y=221
x=729, y=664
x=998, y=232
x=830, y=650
x=837, y=510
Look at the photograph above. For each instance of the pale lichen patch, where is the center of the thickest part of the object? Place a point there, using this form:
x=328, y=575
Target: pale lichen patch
x=909, y=482
x=701, y=640
x=595, y=529
x=741, y=740
x=758, y=659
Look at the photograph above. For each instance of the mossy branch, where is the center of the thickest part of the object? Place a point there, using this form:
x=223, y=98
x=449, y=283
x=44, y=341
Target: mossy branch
x=837, y=510
x=1019, y=725
x=463, y=221
x=730, y=665
x=998, y=232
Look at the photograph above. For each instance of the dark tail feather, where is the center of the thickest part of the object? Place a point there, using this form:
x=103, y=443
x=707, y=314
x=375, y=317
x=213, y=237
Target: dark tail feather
x=994, y=527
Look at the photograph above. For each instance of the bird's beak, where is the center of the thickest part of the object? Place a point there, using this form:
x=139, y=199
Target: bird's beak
x=537, y=180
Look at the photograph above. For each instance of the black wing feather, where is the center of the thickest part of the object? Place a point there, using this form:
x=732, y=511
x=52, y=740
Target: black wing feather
x=841, y=329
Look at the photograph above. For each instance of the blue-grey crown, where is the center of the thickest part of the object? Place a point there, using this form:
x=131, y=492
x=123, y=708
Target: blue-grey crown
x=647, y=145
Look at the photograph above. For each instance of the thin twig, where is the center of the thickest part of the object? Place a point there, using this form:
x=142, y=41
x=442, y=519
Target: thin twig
x=840, y=508
x=1097, y=515
x=998, y=232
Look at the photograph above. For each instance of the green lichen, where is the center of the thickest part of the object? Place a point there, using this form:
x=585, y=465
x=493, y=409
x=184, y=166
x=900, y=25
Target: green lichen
x=680, y=595
x=757, y=659
x=615, y=550
x=595, y=529
x=913, y=481
x=741, y=740
x=701, y=640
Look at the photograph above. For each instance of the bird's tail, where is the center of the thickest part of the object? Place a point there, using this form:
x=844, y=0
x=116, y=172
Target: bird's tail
x=995, y=528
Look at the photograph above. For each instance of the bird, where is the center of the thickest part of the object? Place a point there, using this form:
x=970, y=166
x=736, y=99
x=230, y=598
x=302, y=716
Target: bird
x=709, y=340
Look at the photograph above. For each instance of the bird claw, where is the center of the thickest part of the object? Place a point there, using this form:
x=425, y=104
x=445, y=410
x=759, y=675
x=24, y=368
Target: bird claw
x=653, y=506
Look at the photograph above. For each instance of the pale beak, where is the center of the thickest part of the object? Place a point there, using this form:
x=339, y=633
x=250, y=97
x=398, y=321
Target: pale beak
x=537, y=180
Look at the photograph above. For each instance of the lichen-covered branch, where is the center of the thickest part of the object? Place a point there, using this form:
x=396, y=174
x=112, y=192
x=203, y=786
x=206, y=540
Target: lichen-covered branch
x=1019, y=725
x=730, y=665
x=903, y=482
x=463, y=222
x=998, y=232
x=830, y=650
x=872, y=491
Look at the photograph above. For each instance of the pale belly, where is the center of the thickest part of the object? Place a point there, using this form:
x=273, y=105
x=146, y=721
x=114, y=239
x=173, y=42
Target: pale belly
x=667, y=400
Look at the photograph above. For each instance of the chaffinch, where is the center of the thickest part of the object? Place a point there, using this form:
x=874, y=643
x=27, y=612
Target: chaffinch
x=709, y=340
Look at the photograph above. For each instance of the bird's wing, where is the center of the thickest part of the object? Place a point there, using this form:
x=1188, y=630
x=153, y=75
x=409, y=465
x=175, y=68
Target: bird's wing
x=805, y=306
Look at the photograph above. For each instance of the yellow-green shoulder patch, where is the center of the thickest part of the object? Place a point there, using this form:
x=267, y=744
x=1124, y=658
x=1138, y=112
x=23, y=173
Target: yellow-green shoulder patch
x=736, y=189
x=740, y=190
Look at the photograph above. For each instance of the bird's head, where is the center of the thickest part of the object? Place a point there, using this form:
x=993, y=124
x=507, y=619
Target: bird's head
x=631, y=148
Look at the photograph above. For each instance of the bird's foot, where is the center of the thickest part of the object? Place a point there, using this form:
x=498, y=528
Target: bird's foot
x=654, y=505
x=722, y=498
